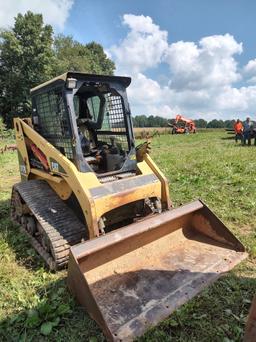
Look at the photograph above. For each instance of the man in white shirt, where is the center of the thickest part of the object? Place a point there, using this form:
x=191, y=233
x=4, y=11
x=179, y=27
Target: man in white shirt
x=248, y=130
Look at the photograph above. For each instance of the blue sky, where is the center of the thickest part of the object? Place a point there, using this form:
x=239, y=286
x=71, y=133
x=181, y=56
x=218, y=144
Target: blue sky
x=187, y=20
x=193, y=57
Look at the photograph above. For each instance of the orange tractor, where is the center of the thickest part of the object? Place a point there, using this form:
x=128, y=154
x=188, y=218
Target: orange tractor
x=183, y=125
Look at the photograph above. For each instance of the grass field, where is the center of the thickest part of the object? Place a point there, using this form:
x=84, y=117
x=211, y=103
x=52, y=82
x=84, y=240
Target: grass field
x=35, y=304
x=141, y=132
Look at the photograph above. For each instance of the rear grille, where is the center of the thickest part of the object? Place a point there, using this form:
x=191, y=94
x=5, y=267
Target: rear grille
x=112, y=178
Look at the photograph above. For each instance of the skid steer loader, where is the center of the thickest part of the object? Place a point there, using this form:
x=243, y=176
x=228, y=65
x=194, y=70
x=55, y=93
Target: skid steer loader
x=90, y=198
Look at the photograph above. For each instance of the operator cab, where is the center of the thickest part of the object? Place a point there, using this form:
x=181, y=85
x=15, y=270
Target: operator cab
x=101, y=127
x=87, y=117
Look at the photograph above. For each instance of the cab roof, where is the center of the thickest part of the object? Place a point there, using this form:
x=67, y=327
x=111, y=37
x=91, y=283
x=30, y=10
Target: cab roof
x=125, y=81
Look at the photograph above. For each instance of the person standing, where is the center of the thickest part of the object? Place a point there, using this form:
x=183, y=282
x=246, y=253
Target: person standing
x=248, y=130
x=238, y=128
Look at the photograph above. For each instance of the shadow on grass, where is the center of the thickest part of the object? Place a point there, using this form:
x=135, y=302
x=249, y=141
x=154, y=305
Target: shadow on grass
x=55, y=318
x=219, y=313
x=228, y=138
x=17, y=241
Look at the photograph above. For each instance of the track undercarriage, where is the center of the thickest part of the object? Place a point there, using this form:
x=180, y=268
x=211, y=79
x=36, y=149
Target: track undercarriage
x=49, y=223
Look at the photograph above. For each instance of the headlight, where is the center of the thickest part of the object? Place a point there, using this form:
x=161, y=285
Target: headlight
x=71, y=83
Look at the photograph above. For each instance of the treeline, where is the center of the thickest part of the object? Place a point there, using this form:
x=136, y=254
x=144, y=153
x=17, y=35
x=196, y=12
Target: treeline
x=158, y=121
x=30, y=54
x=4, y=132
x=149, y=121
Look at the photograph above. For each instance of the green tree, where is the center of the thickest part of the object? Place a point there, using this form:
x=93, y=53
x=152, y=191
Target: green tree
x=149, y=121
x=26, y=59
x=229, y=123
x=29, y=56
x=3, y=130
x=216, y=124
x=74, y=56
x=201, y=123
x=141, y=121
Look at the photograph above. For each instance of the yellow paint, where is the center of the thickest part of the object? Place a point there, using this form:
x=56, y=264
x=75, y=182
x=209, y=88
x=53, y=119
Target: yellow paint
x=45, y=175
x=107, y=203
x=21, y=147
x=59, y=185
x=63, y=190
x=165, y=197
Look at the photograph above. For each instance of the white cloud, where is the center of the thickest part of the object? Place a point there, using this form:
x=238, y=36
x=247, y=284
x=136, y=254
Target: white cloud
x=232, y=99
x=55, y=12
x=250, y=71
x=146, y=97
x=202, y=76
x=250, y=67
x=208, y=65
x=144, y=90
x=142, y=48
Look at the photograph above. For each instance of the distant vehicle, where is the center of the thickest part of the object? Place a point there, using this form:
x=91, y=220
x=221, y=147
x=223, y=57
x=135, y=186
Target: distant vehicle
x=183, y=125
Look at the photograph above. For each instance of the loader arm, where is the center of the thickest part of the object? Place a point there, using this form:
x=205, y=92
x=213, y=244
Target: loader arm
x=62, y=171
x=95, y=198
x=183, y=119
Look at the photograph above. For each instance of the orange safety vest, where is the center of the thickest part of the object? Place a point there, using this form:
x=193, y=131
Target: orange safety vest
x=238, y=127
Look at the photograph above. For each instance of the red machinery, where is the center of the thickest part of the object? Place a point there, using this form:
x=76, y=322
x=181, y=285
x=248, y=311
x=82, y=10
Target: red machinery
x=183, y=125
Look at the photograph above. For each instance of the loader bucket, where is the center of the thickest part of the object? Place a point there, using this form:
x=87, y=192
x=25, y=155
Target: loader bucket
x=134, y=277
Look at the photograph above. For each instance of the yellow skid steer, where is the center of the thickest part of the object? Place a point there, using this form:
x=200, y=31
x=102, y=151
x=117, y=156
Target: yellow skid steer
x=90, y=199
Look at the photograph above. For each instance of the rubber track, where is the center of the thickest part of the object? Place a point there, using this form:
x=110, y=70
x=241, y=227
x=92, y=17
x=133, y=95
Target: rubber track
x=57, y=220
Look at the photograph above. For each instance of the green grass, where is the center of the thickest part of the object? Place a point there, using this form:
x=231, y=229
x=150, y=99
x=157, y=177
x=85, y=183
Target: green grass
x=36, y=305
